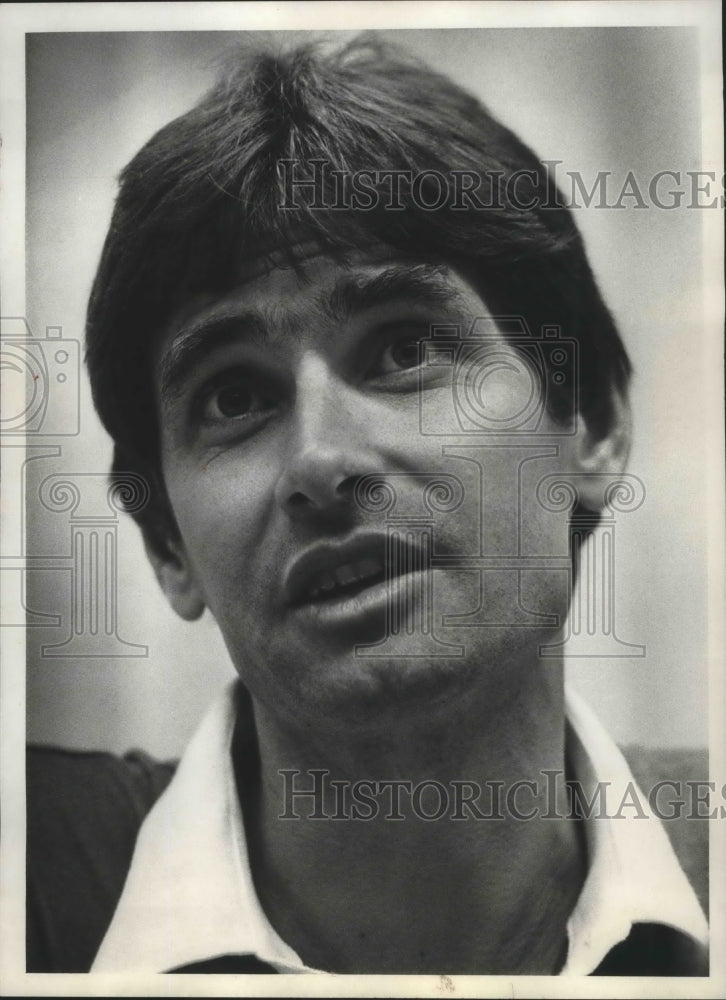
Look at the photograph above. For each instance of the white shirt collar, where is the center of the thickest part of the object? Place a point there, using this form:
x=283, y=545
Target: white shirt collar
x=189, y=895
x=634, y=875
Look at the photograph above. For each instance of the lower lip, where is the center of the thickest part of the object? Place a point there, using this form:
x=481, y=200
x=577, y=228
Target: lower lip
x=371, y=608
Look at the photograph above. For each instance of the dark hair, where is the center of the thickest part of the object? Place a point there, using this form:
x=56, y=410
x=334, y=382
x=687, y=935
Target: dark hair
x=204, y=195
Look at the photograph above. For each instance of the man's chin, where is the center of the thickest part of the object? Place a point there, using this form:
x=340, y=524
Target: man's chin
x=372, y=690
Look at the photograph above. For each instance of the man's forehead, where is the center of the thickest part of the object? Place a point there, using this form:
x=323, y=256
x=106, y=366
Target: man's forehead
x=305, y=264
x=300, y=256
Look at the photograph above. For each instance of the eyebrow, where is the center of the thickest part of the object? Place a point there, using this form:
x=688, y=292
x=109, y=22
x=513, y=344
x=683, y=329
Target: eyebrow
x=351, y=294
x=427, y=283
x=202, y=338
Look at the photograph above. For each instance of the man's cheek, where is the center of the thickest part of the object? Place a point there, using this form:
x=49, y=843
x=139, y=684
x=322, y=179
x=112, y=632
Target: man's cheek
x=220, y=529
x=225, y=490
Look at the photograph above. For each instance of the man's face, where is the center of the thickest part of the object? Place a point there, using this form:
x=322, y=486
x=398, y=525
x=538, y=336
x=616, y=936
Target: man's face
x=274, y=401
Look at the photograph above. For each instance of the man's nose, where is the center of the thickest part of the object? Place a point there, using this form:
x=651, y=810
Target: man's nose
x=328, y=448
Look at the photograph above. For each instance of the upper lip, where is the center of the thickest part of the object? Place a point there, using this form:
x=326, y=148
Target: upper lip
x=320, y=567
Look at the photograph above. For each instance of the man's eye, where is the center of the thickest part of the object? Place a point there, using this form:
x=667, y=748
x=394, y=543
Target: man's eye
x=403, y=353
x=235, y=399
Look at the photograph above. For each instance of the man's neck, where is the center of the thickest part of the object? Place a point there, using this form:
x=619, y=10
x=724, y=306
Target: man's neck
x=365, y=876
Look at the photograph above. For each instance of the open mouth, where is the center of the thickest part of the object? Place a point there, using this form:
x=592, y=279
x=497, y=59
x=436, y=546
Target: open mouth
x=329, y=573
x=347, y=580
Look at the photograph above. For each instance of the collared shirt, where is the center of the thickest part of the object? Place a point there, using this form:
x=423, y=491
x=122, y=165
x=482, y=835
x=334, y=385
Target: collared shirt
x=189, y=895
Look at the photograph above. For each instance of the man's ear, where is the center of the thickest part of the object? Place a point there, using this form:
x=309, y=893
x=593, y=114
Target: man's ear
x=606, y=455
x=176, y=577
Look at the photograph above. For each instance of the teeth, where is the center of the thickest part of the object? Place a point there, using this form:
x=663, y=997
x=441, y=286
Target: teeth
x=369, y=567
x=346, y=575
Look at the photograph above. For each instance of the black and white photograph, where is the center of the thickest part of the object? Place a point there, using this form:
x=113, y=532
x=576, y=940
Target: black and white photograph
x=362, y=441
